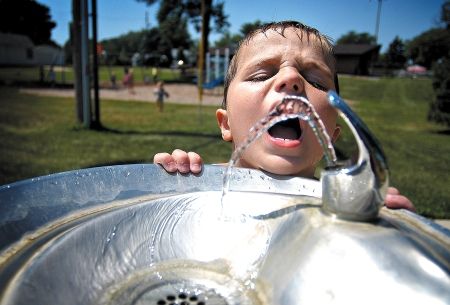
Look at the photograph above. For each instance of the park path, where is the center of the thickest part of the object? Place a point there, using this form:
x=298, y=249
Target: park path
x=179, y=93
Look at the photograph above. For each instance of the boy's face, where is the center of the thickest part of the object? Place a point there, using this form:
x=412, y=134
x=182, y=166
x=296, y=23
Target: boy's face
x=270, y=67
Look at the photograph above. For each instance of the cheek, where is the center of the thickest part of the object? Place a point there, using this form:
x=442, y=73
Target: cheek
x=327, y=113
x=245, y=93
x=245, y=108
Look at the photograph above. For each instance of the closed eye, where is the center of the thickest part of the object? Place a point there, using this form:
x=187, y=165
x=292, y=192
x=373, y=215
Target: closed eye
x=259, y=77
x=317, y=86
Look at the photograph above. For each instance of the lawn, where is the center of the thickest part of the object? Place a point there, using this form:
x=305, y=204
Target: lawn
x=40, y=136
x=64, y=75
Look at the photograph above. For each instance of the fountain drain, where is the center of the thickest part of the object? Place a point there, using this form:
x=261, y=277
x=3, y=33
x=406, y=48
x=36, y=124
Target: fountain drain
x=185, y=284
x=181, y=294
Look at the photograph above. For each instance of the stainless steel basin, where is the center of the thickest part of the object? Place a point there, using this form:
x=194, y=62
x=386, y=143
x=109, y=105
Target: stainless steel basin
x=134, y=234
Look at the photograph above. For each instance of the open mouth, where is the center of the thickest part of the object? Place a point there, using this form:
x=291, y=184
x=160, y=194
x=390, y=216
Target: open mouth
x=286, y=130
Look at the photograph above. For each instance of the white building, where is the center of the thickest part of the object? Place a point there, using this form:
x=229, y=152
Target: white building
x=16, y=50
x=19, y=50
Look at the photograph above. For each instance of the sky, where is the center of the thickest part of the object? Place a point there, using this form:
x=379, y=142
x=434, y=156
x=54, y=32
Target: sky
x=334, y=18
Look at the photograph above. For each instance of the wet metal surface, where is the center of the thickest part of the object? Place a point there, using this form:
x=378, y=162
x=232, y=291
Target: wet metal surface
x=156, y=234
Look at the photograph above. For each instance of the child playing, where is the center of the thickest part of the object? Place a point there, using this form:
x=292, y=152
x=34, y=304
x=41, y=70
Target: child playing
x=128, y=80
x=275, y=60
x=160, y=94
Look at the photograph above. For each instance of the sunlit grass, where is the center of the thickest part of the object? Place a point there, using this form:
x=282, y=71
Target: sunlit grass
x=64, y=75
x=40, y=135
x=418, y=151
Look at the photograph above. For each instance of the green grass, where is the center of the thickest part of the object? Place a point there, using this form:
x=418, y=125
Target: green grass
x=418, y=151
x=40, y=135
x=64, y=75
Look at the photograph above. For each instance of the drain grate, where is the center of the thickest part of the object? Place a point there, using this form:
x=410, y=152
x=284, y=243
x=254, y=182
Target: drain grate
x=181, y=283
x=186, y=292
x=181, y=299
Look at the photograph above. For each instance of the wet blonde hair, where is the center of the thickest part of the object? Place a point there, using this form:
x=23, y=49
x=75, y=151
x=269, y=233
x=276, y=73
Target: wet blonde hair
x=304, y=30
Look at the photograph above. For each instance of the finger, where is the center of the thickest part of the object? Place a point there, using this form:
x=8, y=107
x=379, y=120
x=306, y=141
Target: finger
x=398, y=202
x=182, y=160
x=166, y=161
x=195, y=162
x=393, y=191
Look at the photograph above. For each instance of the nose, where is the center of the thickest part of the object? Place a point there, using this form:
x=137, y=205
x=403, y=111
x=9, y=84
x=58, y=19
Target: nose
x=289, y=81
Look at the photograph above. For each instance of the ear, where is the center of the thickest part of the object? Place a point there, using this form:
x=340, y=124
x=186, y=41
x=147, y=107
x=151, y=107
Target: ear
x=222, y=120
x=336, y=133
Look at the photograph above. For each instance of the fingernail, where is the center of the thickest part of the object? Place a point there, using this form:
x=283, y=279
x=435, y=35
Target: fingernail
x=183, y=168
x=196, y=168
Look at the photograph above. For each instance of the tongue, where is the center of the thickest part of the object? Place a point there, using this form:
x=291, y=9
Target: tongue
x=283, y=132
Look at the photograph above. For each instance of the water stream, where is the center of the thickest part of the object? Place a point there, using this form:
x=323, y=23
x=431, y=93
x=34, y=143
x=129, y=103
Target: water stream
x=290, y=107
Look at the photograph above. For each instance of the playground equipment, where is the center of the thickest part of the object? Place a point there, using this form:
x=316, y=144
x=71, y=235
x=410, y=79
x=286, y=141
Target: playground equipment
x=216, y=68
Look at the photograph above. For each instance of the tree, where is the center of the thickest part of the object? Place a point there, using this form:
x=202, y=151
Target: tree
x=445, y=14
x=356, y=38
x=250, y=26
x=120, y=49
x=27, y=17
x=228, y=39
x=173, y=28
x=395, y=55
x=191, y=10
x=150, y=46
x=440, y=107
x=429, y=46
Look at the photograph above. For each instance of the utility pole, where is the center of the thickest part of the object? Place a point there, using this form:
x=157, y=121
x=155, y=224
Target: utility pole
x=96, y=117
x=75, y=30
x=377, y=25
x=82, y=65
x=85, y=79
x=80, y=35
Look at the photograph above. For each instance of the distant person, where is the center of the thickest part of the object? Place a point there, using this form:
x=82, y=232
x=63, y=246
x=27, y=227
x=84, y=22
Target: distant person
x=125, y=77
x=155, y=74
x=113, y=80
x=160, y=93
x=128, y=80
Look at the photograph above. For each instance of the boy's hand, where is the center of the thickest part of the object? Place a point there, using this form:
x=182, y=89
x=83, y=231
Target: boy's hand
x=394, y=200
x=179, y=160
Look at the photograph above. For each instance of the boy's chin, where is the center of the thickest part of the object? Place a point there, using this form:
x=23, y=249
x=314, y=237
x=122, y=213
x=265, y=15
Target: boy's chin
x=279, y=165
x=288, y=169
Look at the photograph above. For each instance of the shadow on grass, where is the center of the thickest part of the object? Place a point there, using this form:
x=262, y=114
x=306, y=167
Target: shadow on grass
x=159, y=133
x=128, y=162
x=445, y=132
x=119, y=162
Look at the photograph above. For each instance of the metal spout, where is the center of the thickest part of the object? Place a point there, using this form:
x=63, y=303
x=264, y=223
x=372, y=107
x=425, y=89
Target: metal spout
x=356, y=192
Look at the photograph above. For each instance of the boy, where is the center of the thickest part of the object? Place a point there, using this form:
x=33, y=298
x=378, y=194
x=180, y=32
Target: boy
x=275, y=60
x=160, y=93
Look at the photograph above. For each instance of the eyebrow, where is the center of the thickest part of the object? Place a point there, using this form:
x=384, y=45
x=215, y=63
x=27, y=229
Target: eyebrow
x=307, y=63
x=319, y=65
x=259, y=62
